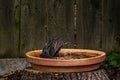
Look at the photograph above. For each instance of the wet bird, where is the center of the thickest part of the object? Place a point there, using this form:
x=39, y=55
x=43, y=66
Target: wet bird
x=51, y=48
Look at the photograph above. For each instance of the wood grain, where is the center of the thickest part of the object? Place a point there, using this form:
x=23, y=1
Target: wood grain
x=99, y=74
x=94, y=28
x=9, y=28
x=33, y=33
x=60, y=20
x=26, y=24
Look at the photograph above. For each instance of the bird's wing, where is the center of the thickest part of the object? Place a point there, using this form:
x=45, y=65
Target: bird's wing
x=56, y=46
x=52, y=47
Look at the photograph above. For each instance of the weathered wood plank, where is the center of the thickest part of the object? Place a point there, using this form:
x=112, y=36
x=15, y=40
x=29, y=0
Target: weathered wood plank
x=108, y=30
x=9, y=28
x=11, y=65
x=33, y=31
x=89, y=25
x=114, y=20
x=26, y=24
x=94, y=28
x=60, y=20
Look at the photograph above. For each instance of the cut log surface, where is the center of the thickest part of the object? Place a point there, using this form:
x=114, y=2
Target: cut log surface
x=29, y=74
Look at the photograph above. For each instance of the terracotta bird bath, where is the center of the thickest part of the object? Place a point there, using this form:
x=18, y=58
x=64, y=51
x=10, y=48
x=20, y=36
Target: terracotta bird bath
x=90, y=60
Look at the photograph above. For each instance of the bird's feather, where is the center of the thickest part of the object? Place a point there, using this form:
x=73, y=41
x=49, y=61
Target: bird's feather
x=52, y=47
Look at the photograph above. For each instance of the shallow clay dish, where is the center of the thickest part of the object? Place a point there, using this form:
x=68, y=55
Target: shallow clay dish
x=70, y=65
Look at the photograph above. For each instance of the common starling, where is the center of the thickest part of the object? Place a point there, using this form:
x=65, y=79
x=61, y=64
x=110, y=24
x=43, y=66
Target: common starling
x=51, y=48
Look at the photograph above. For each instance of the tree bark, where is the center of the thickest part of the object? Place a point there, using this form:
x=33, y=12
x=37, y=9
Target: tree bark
x=29, y=74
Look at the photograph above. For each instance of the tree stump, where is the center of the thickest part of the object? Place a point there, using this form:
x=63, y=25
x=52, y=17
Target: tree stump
x=29, y=74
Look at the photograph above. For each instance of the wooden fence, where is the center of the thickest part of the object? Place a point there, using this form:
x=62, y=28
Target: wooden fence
x=27, y=24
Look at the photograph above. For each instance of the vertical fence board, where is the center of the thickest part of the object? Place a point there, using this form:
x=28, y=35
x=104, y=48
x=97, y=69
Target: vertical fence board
x=33, y=33
x=114, y=20
x=9, y=28
x=60, y=20
x=89, y=24
x=94, y=28
x=107, y=28
x=27, y=24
